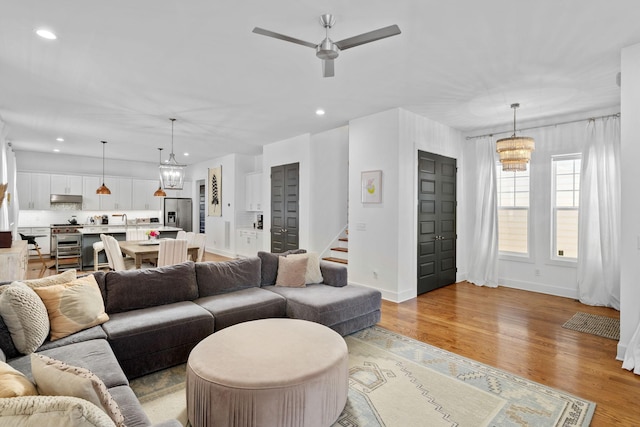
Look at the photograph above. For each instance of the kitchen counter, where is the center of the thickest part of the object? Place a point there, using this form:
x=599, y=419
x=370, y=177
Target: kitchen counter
x=108, y=229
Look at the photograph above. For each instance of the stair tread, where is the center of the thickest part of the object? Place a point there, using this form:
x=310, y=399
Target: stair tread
x=340, y=249
x=338, y=260
x=344, y=239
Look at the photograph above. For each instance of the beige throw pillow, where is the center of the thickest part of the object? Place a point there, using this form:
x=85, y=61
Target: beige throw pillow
x=73, y=306
x=291, y=271
x=55, y=378
x=51, y=411
x=313, y=273
x=25, y=316
x=13, y=383
x=56, y=279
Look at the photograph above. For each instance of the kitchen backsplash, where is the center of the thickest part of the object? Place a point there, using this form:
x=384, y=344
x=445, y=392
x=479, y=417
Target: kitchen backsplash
x=34, y=218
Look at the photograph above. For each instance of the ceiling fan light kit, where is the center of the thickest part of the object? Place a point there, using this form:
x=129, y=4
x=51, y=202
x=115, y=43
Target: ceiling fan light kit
x=515, y=151
x=327, y=50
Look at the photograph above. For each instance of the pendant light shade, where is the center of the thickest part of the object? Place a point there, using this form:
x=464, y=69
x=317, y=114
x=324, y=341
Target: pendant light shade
x=515, y=151
x=160, y=192
x=103, y=189
x=172, y=173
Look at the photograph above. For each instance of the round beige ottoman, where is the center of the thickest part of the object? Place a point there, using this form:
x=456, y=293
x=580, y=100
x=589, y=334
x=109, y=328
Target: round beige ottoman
x=270, y=372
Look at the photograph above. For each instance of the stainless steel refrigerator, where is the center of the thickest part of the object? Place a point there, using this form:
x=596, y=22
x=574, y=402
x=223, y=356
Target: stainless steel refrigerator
x=178, y=212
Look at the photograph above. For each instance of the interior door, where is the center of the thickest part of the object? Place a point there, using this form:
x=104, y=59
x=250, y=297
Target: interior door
x=285, y=195
x=436, y=221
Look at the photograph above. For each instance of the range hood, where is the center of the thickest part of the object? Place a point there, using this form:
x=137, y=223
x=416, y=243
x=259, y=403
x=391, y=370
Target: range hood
x=65, y=198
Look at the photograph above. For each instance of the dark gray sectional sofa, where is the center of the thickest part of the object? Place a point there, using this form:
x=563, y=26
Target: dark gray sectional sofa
x=156, y=316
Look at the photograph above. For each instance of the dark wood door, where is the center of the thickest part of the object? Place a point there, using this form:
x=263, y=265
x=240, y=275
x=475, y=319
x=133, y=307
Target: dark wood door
x=436, y=221
x=285, y=194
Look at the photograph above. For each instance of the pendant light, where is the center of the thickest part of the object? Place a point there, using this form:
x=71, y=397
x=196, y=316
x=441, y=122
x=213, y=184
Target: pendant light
x=172, y=173
x=103, y=189
x=160, y=192
x=515, y=151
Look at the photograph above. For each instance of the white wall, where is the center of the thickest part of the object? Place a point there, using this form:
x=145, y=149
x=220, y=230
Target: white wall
x=383, y=237
x=630, y=177
x=329, y=181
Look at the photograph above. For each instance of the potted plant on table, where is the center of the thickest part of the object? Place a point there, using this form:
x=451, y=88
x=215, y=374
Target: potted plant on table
x=153, y=234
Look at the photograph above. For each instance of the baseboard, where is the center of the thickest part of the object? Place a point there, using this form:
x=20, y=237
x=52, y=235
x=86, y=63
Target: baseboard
x=388, y=295
x=540, y=288
x=220, y=252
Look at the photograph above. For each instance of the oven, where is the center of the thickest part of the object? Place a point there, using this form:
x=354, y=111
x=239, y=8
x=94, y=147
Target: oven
x=68, y=251
x=61, y=229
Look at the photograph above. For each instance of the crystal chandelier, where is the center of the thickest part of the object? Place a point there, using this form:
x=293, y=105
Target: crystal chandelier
x=172, y=173
x=515, y=151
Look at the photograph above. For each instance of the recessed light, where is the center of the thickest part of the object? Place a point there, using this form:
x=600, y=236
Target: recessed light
x=320, y=112
x=186, y=154
x=46, y=34
x=56, y=150
x=60, y=139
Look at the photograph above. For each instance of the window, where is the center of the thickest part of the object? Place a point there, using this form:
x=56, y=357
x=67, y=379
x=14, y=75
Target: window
x=565, y=202
x=513, y=211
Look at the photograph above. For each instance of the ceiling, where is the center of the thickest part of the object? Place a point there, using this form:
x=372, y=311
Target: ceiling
x=120, y=69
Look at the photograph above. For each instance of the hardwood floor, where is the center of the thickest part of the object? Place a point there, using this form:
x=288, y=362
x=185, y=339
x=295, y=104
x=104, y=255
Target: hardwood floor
x=521, y=332
x=517, y=331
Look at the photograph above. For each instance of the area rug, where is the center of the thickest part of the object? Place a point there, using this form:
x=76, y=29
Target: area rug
x=603, y=326
x=398, y=381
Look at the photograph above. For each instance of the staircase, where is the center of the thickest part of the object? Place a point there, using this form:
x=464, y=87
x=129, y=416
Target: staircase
x=340, y=253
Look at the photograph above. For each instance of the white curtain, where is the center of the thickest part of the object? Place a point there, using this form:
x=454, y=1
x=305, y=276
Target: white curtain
x=483, y=270
x=599, y=216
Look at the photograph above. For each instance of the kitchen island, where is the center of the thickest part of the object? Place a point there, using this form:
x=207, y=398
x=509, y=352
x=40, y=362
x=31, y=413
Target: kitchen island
x=91, y=234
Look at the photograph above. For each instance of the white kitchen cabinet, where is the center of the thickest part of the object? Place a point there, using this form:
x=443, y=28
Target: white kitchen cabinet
x=66, y=184
x=143, y=198
x=43, y=239
x=34, y=190
x=90, y=200
x=253, y=191
x=248, y=242
x=120, y=197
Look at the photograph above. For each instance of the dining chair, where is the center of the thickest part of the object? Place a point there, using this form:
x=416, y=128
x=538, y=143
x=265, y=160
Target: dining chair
x=136, y=234
x=114, y=254
x=182, y=235
x=172, y=251
x=190, y=236
x=200, y=240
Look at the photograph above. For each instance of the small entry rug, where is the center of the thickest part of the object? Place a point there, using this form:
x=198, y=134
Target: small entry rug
x=603, y=326
x=398, y=381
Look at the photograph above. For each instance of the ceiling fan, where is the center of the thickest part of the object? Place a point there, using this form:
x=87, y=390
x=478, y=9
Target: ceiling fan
x=327, y=50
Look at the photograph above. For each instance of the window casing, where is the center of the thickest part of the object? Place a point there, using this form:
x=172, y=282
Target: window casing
x=513, y=211
x=565, y=202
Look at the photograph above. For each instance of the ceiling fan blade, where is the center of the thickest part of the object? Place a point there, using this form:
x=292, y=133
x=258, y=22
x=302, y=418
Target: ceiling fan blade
x=268, y=33
x=371, y=36
x=327, y=68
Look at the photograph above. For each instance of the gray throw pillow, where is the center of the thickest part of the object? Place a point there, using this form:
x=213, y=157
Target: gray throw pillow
x=269, y=268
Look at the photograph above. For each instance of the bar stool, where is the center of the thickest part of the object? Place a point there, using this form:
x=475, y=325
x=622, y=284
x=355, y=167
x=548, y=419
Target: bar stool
x=97, y=248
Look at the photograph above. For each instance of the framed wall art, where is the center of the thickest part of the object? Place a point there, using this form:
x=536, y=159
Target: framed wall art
x=371, y=186
x=215, y=191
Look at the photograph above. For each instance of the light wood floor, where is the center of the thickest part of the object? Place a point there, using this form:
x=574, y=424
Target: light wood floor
x=517, y=331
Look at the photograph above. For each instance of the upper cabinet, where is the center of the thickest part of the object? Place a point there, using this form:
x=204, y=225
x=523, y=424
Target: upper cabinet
x=90, y=200
x=34, y=190
x=121, y=192
x=143, y=198
x=253, y=191
x=66, y=184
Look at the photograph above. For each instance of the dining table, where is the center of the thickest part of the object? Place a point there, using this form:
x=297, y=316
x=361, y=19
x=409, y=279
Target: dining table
x=141, y=250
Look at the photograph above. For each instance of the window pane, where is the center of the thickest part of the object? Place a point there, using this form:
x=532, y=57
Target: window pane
x=513, y=230
x=567, y=233
x=564, y=182
x=522, y=183
x=564, y=166
x=522, y=199
x=564, y=198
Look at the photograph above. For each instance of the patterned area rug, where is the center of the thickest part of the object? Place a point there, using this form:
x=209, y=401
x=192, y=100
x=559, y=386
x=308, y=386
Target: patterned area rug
x=603, y=326
x=397, y=381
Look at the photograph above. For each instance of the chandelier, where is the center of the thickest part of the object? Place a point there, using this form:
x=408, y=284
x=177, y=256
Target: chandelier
x=172, y=173
x=160, y=192
x=515, y=151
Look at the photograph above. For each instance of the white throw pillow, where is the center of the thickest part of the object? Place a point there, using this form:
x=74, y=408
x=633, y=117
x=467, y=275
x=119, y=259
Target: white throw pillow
x=51, y=411
x=56, y=378
x=14, y=383
x=25, y=315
